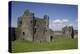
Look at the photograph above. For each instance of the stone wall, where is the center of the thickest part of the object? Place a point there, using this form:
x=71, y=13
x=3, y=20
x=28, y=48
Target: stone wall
x=26, y=26
x=33, y=28
x=68, y=31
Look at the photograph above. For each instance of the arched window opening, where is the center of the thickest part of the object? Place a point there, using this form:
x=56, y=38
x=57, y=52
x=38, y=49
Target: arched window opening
x=23, y=33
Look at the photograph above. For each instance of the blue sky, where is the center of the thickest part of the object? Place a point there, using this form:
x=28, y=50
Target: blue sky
x=59, y=14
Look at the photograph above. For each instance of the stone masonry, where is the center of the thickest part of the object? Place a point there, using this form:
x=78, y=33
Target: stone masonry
x=32, y=28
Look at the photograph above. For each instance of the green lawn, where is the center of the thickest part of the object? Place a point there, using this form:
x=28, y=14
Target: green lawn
x=58, y=44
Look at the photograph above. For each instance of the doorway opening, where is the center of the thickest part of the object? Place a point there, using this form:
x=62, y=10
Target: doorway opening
x=51, y=38
x=23, y=33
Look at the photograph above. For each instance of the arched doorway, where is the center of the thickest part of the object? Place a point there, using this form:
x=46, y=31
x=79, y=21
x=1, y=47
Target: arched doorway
x=51, y=38
x=23, y=33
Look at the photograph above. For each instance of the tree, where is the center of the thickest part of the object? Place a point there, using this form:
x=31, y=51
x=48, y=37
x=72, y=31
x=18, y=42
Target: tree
x=72, y=34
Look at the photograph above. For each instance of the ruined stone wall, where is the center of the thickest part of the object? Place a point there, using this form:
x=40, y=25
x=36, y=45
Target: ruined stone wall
x=39, y=30
x=26, y=27
x=46, y=28
x=32, y=28
x=67, y=31
x=41, y=33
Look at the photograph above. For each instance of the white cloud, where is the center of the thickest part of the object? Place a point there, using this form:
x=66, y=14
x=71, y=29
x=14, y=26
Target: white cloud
x=57, y=21
x=60, y=21
x=58, y=24
x=65, y=20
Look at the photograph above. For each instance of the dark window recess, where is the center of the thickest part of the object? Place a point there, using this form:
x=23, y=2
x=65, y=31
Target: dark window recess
x=35, y=22
x=31, y=22
x=46, y=30
x=20, y=22
x=23, y=33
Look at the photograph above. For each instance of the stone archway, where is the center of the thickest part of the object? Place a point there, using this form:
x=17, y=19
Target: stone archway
x=51, y=38
x=23, y=33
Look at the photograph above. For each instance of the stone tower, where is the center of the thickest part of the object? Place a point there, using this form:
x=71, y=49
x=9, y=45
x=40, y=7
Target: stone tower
x=46, y=28
x=26, y=27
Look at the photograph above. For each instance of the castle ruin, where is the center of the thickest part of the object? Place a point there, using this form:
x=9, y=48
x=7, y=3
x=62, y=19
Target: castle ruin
x=32, y=28
x=36, y=29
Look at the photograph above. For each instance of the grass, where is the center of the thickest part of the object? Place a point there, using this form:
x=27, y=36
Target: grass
x=58, y=44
